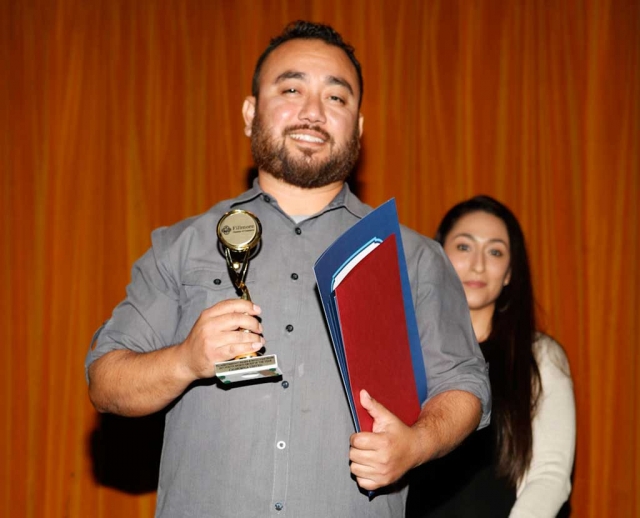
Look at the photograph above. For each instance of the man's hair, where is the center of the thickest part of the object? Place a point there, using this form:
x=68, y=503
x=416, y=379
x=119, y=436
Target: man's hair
x=303, y=30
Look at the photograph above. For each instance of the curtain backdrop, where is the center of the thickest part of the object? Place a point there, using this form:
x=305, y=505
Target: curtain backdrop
x=120, y=116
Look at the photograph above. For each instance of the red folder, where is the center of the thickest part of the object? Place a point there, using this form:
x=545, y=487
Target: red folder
x=374, y=331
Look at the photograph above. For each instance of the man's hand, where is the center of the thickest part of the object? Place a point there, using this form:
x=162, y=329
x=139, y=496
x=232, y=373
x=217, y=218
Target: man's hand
x=383, y=456
x=222, y=332
x=130, y=383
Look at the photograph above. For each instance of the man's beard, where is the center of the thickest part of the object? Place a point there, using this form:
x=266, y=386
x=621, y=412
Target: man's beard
x=274, y=158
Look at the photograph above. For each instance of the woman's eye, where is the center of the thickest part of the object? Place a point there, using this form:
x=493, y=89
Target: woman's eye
x=496, y=253
x=462, y=247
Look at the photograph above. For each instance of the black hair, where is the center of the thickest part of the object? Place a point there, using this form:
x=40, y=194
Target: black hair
x=301, y=29
x=513, y=371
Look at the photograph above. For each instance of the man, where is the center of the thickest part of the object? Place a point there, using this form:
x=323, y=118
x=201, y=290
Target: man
x=286, y=447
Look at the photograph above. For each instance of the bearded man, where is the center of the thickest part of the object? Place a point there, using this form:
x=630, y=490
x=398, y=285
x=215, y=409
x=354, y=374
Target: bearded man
x=284, y=447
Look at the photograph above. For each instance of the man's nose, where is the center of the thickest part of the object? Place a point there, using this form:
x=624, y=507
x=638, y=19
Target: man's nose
x=312, y=110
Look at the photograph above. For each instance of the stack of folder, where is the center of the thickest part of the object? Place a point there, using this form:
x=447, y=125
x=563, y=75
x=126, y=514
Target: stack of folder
x=364, y=287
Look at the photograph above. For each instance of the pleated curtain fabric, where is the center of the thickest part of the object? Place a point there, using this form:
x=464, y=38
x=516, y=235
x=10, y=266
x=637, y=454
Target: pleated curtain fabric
x=118, y=117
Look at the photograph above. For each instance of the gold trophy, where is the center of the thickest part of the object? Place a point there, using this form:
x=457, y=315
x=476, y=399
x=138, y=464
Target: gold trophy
x=239, y=232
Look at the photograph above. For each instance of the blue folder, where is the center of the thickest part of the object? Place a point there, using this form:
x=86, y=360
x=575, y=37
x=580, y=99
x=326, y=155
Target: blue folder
x=374, y=228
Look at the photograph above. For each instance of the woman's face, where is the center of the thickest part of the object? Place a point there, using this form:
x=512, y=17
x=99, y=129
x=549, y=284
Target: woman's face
x=478, y=247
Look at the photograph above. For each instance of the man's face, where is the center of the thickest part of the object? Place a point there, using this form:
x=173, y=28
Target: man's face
x=305, y=128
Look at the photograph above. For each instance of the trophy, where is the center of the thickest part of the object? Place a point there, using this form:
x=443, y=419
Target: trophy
x=239, y=232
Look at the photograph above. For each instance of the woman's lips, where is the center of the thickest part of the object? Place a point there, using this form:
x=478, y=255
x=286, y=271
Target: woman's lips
x=475, y=284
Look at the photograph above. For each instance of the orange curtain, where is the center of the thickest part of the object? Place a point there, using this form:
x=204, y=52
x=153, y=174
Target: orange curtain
x=117, y=117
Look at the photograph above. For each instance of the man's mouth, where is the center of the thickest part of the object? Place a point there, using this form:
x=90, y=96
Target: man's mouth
x=308, y=134
x=303, y=137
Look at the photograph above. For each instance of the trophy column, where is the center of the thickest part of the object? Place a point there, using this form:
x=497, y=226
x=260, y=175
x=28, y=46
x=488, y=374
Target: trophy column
x=239, y=232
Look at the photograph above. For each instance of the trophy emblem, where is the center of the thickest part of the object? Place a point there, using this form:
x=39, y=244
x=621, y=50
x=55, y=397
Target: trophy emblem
x=239, y=233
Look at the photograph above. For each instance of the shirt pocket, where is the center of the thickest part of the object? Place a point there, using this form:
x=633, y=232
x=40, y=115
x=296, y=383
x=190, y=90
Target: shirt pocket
x=201, y=289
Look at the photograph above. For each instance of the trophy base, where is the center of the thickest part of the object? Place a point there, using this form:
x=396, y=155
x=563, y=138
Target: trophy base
x=233, y=371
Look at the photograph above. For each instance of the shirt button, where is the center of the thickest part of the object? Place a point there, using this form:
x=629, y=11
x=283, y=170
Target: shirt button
x=281, y=445
x=285, y=384
x=279, y=506
x=289, y=328
x=298, y=230
x=266, y=198
x=294, y=276
x=217, y=282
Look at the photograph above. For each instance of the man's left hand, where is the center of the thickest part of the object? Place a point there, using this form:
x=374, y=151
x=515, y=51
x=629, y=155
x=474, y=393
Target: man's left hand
x=383, y=456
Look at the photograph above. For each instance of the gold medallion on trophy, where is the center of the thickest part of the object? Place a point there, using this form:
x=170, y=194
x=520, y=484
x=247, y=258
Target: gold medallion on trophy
x=239, y=233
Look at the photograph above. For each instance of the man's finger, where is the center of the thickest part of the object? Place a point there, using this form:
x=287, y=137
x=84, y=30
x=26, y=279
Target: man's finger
x=232, y=306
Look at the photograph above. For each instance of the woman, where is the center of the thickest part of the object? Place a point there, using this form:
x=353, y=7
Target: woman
x=521, y=464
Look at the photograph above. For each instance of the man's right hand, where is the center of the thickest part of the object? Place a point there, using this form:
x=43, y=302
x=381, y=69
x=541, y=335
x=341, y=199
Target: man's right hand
x=130, y=383
x=222, y=332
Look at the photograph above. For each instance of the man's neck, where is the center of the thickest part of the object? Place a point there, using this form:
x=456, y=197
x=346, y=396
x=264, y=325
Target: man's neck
x=296, y=201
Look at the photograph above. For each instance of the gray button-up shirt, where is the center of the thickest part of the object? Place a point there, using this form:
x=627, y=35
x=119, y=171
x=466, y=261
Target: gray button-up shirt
x=277, y=448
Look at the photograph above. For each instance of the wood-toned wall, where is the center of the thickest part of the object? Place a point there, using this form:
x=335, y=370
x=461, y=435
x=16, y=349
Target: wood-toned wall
x=120, y=116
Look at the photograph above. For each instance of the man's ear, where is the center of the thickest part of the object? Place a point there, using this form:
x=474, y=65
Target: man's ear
x=360, y=124
x=248, y=113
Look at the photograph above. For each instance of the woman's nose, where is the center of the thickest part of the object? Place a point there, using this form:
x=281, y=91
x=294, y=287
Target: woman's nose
x=477, y=262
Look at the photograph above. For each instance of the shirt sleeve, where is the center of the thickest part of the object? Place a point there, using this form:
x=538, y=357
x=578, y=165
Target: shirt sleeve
x=547, y=484
x=452, y=356
x=146, y=319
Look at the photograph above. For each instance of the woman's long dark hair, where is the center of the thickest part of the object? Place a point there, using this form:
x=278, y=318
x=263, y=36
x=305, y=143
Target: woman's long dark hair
x=513, y=371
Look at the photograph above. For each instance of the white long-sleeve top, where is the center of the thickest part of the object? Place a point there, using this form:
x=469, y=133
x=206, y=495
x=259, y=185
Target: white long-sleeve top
x=546, y=485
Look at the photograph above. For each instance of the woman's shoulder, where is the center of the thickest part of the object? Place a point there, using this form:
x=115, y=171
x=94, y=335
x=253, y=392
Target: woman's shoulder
x=550, y=354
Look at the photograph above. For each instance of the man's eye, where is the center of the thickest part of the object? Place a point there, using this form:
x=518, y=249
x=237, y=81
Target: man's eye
x=289, y=91
x=336, y=98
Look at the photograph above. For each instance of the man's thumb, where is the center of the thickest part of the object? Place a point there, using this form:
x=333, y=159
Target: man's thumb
x=378, y=412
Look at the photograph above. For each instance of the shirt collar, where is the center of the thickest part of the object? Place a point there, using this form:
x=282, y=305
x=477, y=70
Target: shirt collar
x=249, y=195
x=345, y=198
